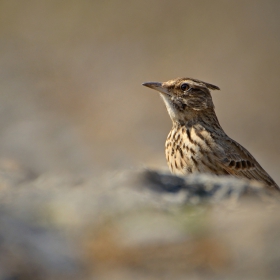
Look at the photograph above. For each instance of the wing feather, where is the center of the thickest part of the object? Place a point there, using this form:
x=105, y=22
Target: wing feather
x=238, y=162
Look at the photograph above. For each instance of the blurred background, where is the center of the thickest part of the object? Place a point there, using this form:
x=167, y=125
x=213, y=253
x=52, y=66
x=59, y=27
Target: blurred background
x=71, y=98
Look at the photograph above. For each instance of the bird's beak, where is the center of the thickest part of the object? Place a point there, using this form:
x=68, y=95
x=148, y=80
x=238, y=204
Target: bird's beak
x=156, y=86
x=153, y=85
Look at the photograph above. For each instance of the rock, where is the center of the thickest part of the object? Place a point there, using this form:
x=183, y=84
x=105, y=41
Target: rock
x=138, y=224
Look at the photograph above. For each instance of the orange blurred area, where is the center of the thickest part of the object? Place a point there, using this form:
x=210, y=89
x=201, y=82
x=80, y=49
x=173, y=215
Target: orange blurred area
x=71, y=71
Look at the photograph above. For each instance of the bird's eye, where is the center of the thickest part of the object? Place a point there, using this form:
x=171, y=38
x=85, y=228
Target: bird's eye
x=185, y=87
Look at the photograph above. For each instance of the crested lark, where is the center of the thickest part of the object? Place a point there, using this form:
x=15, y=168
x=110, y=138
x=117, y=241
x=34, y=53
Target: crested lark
x=197, y=142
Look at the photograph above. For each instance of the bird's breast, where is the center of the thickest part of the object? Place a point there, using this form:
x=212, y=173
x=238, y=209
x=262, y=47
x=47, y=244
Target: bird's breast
x=189, y=150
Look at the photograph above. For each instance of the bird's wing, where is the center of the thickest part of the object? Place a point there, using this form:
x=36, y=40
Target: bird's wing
x=237, y=161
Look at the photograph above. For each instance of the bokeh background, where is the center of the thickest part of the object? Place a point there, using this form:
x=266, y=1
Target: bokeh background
x=71, y=98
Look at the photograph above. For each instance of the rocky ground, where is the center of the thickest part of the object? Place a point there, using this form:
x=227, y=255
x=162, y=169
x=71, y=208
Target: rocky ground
x=138, y=224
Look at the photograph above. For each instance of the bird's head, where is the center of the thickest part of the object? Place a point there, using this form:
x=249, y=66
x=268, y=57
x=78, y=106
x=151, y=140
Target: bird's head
x=184, y=97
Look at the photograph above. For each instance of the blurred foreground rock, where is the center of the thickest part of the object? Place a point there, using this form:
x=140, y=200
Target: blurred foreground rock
x=137, y=225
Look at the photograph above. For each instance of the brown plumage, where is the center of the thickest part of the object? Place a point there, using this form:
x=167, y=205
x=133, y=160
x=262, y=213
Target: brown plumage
x=197, y=142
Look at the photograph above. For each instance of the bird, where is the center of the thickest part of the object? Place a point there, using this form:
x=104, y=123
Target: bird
x=197, y=143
